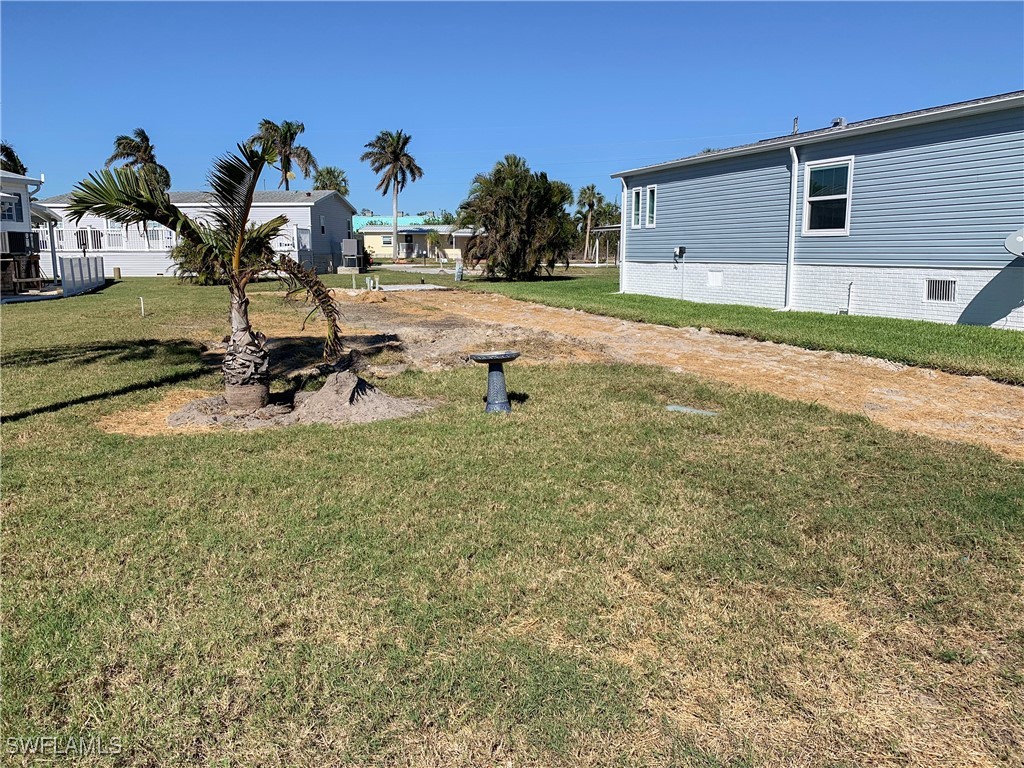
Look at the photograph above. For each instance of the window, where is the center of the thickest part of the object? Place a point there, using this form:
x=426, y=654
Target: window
x=652, y=205
x=385, y=240
x=10, y=208
x=940, y=290
x=637, y=198
x=323, y=225
x=827, y=193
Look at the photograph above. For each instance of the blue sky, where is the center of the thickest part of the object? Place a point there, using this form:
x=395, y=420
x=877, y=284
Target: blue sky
x=581, y=90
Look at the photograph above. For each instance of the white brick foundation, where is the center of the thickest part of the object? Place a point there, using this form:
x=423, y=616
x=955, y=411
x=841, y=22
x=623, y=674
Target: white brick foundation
x=760, y=285
x=983, y=296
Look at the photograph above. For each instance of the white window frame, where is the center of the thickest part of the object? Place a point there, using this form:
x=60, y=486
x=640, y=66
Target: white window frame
x=636, y=211
x=16, y=208
x=815, y=164
x=386, y=240
x=651, y=212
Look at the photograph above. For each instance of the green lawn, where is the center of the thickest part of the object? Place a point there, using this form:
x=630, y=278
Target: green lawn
x=970, y=350
x=592, y=581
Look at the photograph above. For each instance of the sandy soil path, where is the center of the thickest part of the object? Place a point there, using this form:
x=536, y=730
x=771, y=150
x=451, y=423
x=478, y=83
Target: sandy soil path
x=968, y=409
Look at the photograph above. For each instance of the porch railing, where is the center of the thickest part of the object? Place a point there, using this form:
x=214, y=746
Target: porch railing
x=133, y=239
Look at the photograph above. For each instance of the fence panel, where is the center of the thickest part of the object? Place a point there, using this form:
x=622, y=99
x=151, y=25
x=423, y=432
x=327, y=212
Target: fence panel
x=80, y=274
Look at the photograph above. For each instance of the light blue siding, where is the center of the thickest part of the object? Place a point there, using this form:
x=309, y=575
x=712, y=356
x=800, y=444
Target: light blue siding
x=943, y=194
x=731, y=211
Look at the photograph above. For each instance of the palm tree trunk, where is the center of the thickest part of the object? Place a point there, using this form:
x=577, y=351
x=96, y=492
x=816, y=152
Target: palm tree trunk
x=586, y=254
x=246, y=362
x=394, y=222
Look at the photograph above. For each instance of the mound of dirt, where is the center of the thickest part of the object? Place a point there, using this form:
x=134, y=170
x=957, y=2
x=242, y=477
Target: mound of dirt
x=345, y=398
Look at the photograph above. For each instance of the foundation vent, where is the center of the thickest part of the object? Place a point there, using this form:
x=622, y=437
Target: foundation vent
x=940, y=290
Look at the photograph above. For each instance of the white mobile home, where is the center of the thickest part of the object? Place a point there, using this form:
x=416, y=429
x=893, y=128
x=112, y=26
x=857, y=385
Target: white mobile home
x=318, y=222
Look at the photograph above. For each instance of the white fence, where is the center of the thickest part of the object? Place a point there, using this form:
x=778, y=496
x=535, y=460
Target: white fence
x=81, y=273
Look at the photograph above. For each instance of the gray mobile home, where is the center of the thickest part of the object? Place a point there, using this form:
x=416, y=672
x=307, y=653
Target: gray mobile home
x=899, y=216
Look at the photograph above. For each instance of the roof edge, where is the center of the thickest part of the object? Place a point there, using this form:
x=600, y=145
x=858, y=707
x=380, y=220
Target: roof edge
x=934, y=114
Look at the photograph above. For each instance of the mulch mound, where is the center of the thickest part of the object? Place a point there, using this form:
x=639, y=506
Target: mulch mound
x=345, y=398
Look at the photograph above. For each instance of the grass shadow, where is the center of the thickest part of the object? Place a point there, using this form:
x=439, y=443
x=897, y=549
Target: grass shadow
x=137, y=350
x=160, y=354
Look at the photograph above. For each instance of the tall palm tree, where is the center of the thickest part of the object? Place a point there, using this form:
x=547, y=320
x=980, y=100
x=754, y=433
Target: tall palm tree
x=138, y=152
x=587, y=201
x=331, y=177
x=282, y=138
x=388, y=155
x=227, y=245
x=9, y=160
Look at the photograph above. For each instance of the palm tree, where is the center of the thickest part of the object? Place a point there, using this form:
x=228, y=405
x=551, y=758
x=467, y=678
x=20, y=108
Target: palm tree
x=227, y=246
x=587, y=200
x=138, y=152
x=518, y=219
x=282, y=138
x=9, y=160
x=388, y=155
x=436, y=243
x=331, y=177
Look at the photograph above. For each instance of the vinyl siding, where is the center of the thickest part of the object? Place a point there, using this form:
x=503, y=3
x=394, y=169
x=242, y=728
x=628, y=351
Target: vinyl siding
x=338, y=221
x=733, y=211
x=944, y=195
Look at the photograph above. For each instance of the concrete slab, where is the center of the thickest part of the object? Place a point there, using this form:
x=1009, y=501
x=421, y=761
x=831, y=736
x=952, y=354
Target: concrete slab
x=415, y=287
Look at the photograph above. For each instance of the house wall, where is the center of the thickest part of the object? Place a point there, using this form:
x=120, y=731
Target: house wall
x=933, y=201
x=336, y=227
x=25, y=225
x=375, y=241
x=157, y=261
x=943, y=194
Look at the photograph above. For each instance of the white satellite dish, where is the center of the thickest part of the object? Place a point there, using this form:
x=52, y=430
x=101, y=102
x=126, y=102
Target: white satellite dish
x=1015, y=243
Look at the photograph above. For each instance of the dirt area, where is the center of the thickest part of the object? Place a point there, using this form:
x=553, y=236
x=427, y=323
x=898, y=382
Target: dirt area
x=437, y=327
x=436, y=330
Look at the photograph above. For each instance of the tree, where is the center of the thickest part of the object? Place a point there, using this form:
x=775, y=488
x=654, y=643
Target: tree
x=519, y=220
x=388, y=155
x=9, y=160
x=331, y=177
x=436, y=243
x=282, y=138
x=227, y=245
x=446, y=217
x=587, y=200
x=138, y=152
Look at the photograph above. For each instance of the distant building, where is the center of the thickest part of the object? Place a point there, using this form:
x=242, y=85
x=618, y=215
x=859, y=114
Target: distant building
x=318, y=221
x=898, y=216
x=412, y=240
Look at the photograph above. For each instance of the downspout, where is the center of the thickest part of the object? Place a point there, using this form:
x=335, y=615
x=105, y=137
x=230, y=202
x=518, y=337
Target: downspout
x=794, y=167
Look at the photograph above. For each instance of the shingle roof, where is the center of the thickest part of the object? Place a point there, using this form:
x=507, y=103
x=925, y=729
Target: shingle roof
x=821, y=133
x=268, y=196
